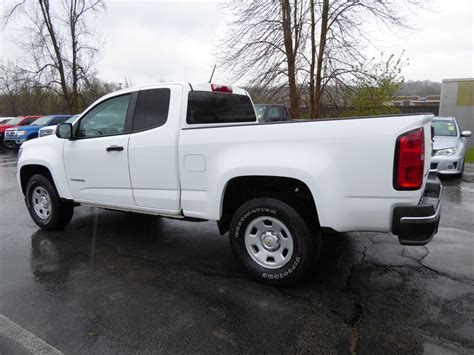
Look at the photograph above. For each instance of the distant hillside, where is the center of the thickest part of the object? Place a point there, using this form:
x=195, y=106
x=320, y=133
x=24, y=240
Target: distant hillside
x=420, y=88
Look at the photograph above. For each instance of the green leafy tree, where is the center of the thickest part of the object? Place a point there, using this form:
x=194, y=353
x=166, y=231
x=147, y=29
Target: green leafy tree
x=376, y=87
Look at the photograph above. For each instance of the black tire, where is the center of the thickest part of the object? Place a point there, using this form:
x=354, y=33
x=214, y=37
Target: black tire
x=306, y=244
x=60, y=212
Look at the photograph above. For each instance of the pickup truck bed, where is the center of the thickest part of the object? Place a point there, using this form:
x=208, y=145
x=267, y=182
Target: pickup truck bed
x=196, y=151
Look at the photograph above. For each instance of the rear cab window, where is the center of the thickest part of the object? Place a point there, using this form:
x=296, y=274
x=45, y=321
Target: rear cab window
x=215, y=108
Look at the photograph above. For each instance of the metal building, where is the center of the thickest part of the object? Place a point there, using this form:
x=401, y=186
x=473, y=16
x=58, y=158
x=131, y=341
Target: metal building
x=457, y=100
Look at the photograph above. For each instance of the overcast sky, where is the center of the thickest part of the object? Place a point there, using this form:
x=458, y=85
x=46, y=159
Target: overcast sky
x=150, y=41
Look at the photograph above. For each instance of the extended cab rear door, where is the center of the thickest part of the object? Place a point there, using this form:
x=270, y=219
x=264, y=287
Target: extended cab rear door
x=153, y=148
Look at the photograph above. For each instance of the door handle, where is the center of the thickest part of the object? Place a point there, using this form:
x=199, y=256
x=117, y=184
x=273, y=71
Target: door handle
x=114, y=148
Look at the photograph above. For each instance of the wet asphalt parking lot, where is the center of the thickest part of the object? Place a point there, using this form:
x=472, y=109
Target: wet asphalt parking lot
x=116, y=283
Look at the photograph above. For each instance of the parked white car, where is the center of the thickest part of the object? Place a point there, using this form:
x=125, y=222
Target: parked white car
x=449, y=146
x=49, y=130
x=4, y=120
x=196, y=152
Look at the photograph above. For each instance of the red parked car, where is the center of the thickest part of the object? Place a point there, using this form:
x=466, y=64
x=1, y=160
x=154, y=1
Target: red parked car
x=15, y=122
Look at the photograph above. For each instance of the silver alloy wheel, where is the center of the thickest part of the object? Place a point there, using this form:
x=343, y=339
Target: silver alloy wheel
x=269, y=242
x=41, y=202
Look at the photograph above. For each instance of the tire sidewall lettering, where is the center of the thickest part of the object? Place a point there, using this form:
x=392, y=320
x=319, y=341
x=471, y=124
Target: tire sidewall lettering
x=283, y=274
x=280, y=274
x=249, y=213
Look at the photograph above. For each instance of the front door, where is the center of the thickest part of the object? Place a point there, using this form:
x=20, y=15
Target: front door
x=96, y=160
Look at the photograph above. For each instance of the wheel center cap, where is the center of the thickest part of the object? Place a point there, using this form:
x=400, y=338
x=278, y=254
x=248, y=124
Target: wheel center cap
x=270, y=241
x=44, y=202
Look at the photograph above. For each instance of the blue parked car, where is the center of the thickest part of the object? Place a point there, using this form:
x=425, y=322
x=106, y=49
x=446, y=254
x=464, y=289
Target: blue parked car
x=15, y=137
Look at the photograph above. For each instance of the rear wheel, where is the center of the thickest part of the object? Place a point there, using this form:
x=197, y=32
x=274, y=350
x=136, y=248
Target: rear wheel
x=273, y=242
x=45, y=206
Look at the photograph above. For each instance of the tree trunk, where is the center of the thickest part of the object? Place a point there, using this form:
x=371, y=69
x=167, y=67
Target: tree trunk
x=312, y=62
x=290, y=56
x=44, y=4
x=322, y=47
x=74, y=68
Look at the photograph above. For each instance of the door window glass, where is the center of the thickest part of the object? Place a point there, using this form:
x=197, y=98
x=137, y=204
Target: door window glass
x=58, y=120
x=106, y=119
x=152, y=109
x=29, y=121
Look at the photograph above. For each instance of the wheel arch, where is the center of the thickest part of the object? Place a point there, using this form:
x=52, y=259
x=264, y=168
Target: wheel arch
x=27, y=171
x=291, y=190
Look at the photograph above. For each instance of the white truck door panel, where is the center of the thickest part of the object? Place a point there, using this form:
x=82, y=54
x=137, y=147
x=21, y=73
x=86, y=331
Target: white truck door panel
x=96, y=174
x=96, y=162
x=153, y=149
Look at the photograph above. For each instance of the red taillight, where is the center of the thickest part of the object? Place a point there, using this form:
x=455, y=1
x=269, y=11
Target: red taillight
x=409, y=160
x=221, y=88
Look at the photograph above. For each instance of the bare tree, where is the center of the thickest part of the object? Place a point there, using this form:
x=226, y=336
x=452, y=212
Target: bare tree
x=13, y=80
x=263, y=43
x=61, y=44
x=343, y=37
x=305, y=44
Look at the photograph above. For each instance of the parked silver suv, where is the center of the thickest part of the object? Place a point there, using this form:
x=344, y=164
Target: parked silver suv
x=449, y=146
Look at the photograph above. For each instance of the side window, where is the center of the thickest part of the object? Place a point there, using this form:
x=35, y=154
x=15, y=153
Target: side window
x=28, y=121
x=106, y=119
x=57, y=121
x=152, y=109
x=274, y=112
x=278, y=113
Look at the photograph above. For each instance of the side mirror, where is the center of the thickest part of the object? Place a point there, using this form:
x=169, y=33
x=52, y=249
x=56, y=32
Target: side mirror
x=64, y=131
x=466, y=134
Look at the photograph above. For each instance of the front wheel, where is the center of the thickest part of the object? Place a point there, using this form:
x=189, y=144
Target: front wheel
x=45, y=206
x=273, y=242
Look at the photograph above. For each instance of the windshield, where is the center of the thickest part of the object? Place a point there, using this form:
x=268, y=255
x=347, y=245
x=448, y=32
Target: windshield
x=71, y=119
x=15, y=121
x=42, y=121
x=444, y=128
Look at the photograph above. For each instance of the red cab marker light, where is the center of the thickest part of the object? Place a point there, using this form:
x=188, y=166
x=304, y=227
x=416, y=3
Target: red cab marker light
x=409, y=160
x=221, y=88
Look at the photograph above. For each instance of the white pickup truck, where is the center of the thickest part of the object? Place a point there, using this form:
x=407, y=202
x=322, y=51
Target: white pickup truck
x=197, y=152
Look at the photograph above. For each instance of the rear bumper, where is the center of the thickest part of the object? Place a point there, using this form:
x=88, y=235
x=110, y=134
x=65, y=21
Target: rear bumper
x=417, y=225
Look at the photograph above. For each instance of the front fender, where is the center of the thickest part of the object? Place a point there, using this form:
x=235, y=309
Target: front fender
x=47, y=152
